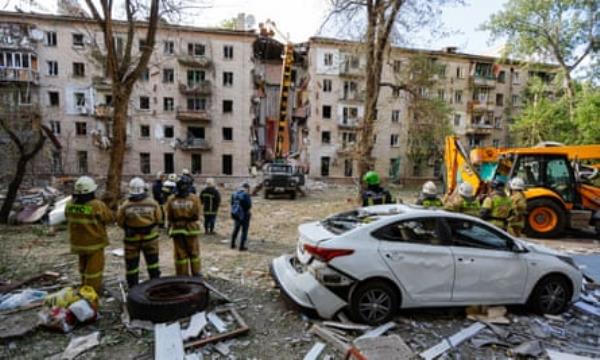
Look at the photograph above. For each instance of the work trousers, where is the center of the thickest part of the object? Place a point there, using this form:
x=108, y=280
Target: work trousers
x=244, y=225
x=91, y=268
x=209, y=223
x=515, y=229
x=187, y=254
x=132, y=260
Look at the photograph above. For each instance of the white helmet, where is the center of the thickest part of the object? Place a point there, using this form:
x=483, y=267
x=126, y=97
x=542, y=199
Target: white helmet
x=172, y=177
x=137, y=186
x=84, y=185
x=465, y=189
x=517, y=184
x=429, y=188
x=159, y=175
x=210, y=182
x=185, y=172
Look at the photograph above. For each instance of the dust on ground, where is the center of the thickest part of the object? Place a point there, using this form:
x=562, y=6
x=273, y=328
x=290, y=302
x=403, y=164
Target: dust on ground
x=278, y=331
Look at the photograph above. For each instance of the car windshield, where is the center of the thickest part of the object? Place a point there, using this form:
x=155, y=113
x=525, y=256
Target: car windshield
x=346, y=221
x=280, y=169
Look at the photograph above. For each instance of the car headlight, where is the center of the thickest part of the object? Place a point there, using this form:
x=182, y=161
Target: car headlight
x=569, y=260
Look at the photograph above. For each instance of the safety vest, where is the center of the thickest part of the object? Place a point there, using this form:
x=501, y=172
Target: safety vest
x=518, y=210
x=470, y=207
x=139, y=218
x=183, y=214
x=87, y=226
x=434, y=202
x=501, y=206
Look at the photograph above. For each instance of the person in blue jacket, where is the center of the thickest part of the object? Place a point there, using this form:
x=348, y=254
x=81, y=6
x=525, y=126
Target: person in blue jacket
x=241, y=203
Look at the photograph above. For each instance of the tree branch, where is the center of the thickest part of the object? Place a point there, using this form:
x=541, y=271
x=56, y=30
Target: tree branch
x=125, y=62
x=15, y=139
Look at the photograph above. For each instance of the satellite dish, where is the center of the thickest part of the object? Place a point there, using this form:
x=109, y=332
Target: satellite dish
x=250, y=21
x=37, y=34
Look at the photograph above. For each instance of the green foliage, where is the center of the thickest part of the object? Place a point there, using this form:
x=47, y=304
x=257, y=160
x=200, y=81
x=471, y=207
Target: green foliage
x=228, y=23
x=587, y=116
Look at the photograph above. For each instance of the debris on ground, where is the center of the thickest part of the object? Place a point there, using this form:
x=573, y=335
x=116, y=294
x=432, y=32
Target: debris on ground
x=488, y=314
x=80, y=345
x=18, y=325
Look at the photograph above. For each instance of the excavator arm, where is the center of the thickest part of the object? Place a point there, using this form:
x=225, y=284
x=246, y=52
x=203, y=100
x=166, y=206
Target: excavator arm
x=458, y=168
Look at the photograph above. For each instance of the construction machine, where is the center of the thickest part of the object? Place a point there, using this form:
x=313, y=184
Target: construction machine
x=562, y=182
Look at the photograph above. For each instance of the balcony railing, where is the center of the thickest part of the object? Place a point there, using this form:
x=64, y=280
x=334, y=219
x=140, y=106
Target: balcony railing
x=488, y=81
x=195, y=144
x=481, y=129
x=476, y=105
x=193, y=115
x=346, y=149
x=203, y=87
x=349, y=71
x=104, y=111
x=351, y=123
x=353, y=97
x=19, y=75
x=202, y=62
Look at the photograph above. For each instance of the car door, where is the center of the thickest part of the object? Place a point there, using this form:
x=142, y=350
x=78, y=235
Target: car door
x=420, y=261
x=485, y=266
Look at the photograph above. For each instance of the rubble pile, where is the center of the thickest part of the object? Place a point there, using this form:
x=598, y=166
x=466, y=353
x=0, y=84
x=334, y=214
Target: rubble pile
x=35, y=204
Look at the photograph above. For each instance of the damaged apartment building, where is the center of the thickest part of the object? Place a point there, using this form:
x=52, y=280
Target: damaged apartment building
x=209, y=100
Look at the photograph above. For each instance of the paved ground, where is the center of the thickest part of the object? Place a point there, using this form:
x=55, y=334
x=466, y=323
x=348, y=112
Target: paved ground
x=278, y=331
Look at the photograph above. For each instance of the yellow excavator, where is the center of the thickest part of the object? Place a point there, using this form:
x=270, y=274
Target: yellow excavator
x=562, y=182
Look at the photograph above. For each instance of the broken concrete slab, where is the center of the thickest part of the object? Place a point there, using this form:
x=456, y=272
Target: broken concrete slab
x=557, y=355
x=378, y=331
x=18, y=325
x=197, y=323
x=384, y=347
x=315, y=351
x=588, y=308
x=529, y=348
x=216, y=321
x=224, y=347
x=451, y=342
x=168, y=343
x=80, y=345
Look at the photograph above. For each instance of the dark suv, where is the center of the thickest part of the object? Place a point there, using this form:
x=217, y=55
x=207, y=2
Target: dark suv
x=282, y=179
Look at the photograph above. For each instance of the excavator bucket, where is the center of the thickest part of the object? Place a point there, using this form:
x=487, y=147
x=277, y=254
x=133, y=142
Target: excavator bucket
x=458, y=167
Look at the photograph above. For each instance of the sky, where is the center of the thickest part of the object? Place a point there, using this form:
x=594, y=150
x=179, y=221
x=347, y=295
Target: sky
x=302, y=18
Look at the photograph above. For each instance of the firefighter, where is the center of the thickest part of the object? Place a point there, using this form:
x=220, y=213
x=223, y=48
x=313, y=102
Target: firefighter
x=87, y=218
x=464, y=201
x=210, y=199
x=186, y=172
x=497, y=205
x=138, y=216
x=375, y=194
x=183, y=213
x=428, y=196
x=516, y=220
x=169, y=186
x=159, y=195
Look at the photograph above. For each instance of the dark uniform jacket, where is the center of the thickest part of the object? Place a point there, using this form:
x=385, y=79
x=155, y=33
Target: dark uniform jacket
x=211, y=200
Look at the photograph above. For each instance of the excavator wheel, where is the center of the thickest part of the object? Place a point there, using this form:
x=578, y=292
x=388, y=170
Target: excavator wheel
x=545, y=219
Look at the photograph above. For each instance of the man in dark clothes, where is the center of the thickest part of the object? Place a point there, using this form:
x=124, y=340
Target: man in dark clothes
x=159, y=196
x=241, y=203
x=210, y=199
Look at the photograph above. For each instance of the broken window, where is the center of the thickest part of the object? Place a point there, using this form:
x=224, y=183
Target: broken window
x=467, y=233
x=78, y=69
x=349, y=114
x=502, y=77
x=228, y=52
x=168, y=104
x=458, y=96
x=55, y=127
x=108, y=100
x=325, y=137
x=196, y=164
x=144, y=103
x=227, y=134
x=348, y=138
x=195, y=77
x=196, y=132
x=326, y=111
x=326, y=85
x=82, y=162
x=53, y=98
x=441, y=93
x=499, y=99
x=78, y=40
x=169, y=163
x=395, y=116
x=141, y=44
x=484, y=70
x=515, y=77
x=328, y=59
x=52, y=68
x=456, y=119
x=145, y=131
x=227, y=106
x=51, y=38
x=515, y=100
x=196, y=104
x=227, y=78
x=168, y=47
x=420, y=231
x=227, y=164
x=350, y=89
x=79, y=99
x=440, y=70
x=56, y=162
x=460, y=72
x=169, y=132
x=168, y=76
x=498, y=122
x=348, y=165
x=145, y=75
x=324, y=165
x=145, y=163
x=396, y=92
x=80, y=128
x=196, y=49
x=394, y=140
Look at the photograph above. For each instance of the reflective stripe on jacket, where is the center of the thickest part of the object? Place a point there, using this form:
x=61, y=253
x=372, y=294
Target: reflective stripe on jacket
x=87, y=226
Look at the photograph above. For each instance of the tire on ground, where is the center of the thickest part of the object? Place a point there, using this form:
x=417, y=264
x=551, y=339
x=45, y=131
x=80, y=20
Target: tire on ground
x=554, y=207
x=364, y=288
x=167, y=299
x=535, y=304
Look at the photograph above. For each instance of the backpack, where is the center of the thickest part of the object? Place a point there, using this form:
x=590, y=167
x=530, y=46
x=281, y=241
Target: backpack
x=237, y=211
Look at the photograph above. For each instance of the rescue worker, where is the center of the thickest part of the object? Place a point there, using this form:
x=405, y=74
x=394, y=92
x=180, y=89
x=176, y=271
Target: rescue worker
x=211, y=200
x=186, y=172
x=87, y=218
x=169, y=186
x=516, y=220
x=428, y=196
x=375, y=194
x=183, y=213
x=464, y=201
x=138, y=216
x=159, y=196
x=241, y=204
x=497, y=205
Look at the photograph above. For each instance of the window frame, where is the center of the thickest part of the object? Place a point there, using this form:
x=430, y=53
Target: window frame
x=447, y=228
x=438, y=229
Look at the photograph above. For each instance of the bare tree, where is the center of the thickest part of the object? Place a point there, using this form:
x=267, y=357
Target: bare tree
x=378, y=24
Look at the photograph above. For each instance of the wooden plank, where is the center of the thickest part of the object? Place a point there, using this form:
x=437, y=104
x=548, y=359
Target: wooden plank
x=197, y=323
x=378, y=331
x=168, y=343
x=315, y=351
x=330, y=338
x=347, y=326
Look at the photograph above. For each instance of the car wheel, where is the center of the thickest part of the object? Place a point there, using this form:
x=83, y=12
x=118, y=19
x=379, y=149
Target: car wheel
x=293, y=194
x=373, y=303
x=167, y=299
x=550, y=296
x=545, y=219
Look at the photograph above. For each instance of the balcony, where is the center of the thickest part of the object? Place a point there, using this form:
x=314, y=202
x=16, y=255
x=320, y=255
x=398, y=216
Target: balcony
x=201, y=62
x=479, y=129
x=487, y=81
x=101, y=83
x=350, y=123
x=194, y=144
x=352, y=72
x=347, y=149
x=480, y=106
x=353, y=97
x=196, y=88
x=193, y=115
x=19, y=75
x=104, y=111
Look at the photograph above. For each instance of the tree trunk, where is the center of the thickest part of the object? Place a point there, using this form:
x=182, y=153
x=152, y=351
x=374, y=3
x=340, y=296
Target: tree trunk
x=570, y=89
x=118, y=148
x=13, y=189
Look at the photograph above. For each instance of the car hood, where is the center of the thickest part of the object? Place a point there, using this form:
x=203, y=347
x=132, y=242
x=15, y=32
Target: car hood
x=540, y=249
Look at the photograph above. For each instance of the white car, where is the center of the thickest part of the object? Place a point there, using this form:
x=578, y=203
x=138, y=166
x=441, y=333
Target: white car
x=375, y=260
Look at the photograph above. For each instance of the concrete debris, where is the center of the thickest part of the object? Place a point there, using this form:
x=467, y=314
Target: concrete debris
x=384, y=347
x=452, y=342
x=588, y=308
x=80, y=345
x=223, y=347
x=168, y=343
x=315, y=351
x=216, y=321
x=378, y=331
x=488, y=341
x=529, y=348
x=557, y=355
x=18, y=325
x=346, y=326
x=488, y=314
x=119, y=252
x=197, y=324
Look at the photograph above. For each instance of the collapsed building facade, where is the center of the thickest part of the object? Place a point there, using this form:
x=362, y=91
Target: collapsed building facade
x=209, y=100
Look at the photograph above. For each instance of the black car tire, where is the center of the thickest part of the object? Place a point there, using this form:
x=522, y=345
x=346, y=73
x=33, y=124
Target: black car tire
x=374, y=302
x=551, y=295
x=167, y=299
